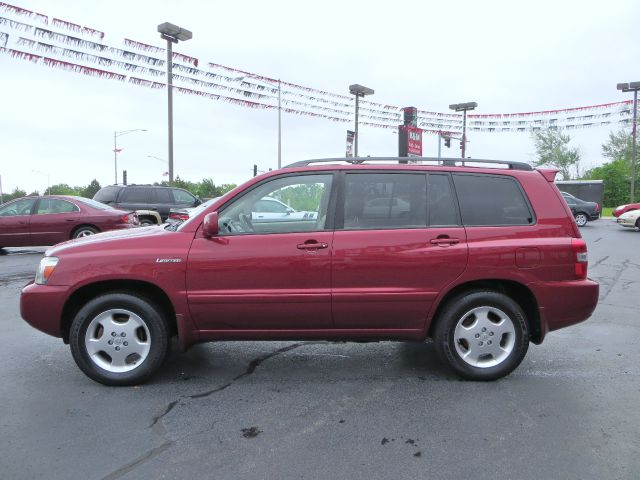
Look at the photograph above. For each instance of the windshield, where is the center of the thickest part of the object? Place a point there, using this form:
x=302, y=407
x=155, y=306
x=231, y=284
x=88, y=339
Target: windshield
x=93, y=203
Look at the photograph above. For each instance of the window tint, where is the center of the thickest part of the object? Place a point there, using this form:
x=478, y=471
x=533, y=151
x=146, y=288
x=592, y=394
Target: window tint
x=107, y=194
x=491, y=200
x=19, y=207
x=135, y=195
x=54, y=205
x=183, y=197
x=162, y=195
x=304, y=200
x=374, y=200
x=442, y=207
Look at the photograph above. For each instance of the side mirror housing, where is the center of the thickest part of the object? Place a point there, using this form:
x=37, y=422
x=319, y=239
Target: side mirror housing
x=210, y=225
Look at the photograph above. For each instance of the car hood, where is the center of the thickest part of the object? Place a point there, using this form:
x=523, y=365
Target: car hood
x=106, y=237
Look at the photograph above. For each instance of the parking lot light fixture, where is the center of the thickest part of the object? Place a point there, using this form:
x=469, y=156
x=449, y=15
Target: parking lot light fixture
x=463, y=107
x=115, y=147
x=358, y=91
x=632, y=87
x=172, y=34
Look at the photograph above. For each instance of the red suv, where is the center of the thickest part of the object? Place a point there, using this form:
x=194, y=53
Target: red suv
x=482, y=257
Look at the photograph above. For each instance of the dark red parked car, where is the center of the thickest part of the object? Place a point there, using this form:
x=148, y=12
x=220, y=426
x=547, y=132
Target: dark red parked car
x=483, y=258
x=56, y=218
x=625, y=208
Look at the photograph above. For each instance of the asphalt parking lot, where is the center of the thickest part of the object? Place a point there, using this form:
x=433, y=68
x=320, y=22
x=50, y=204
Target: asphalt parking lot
x=262, y=410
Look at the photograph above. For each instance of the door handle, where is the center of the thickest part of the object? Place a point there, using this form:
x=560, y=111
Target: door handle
x=312, y=246
x=444, y=241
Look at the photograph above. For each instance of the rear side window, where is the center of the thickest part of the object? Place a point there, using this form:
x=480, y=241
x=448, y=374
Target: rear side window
x=491, y=200
x=107, y=194
x=135, y=195
x=378, y=201
x=163, y=195
x=183, y=197
x=53, y=205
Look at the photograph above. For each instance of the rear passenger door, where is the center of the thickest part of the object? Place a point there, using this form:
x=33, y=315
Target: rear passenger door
x=398, y=243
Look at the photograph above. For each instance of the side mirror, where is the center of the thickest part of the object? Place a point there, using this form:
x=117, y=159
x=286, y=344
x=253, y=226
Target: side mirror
x=210, y=225
x=290, y=211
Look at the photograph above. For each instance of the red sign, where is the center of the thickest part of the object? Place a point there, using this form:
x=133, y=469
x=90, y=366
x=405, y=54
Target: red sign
x=411, y=140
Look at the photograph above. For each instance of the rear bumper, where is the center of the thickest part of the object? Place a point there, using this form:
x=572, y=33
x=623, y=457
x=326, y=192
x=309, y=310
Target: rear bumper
x=565, y=303
x=41, y=307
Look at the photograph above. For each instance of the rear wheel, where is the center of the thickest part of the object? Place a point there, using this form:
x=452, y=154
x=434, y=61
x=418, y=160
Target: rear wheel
x=84, y=231
x=482, y=335
x=119, y=339
x=581, y=219
x=146, y=221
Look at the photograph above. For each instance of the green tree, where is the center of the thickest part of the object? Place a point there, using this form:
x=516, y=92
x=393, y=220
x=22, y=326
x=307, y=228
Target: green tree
x=90, y=190
x=616, y=177
x=64, y=189
x=552, y=150
x=619, y=146
x=17, y=193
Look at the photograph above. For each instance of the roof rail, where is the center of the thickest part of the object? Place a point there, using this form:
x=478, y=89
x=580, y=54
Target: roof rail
x=451, y=162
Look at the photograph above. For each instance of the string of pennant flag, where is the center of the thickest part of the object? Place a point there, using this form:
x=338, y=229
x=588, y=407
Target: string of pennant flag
x=23, y=36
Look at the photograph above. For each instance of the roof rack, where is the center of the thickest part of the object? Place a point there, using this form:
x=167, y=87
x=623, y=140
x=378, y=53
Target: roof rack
x=451, y=162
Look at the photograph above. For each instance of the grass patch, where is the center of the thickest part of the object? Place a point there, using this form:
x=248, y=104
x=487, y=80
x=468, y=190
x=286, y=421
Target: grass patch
x=607, y=211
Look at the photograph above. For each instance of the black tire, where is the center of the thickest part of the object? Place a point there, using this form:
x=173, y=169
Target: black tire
x=84, y=231
x=638, y=224
x=146, y=222
x=581, y=219
x=152, y=333
x=458, y=313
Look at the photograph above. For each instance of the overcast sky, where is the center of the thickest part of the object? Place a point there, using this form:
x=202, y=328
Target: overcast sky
x=507, y=56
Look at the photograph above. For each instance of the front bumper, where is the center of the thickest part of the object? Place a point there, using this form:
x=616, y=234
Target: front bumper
x=624, y=222
x=41, y=307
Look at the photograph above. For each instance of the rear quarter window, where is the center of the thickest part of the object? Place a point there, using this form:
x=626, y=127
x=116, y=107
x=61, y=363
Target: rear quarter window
x=107, y=195
x=492, y=200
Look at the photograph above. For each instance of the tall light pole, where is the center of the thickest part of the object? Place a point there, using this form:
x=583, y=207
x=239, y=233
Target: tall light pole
x=463, y=107
x=172, y=34
x=358, y=91
x=632, y=87
x=115, y=147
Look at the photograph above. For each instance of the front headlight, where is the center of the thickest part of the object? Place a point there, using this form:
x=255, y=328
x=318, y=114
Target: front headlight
x=45, y=269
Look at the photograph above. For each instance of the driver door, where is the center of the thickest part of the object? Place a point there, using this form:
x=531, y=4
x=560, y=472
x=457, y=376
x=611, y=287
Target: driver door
x=268, y=275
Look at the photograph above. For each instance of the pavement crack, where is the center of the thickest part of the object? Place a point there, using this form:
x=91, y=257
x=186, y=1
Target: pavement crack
x=150, y=455
x=253, y=364
x=599, y=261
x=615, y=279
x=157, y=418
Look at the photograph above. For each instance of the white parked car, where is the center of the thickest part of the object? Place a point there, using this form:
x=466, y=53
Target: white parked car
x=268, y=209
x=630, y=219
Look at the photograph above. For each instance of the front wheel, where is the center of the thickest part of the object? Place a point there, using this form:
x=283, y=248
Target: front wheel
x=119, y=339
x=581, y=219
x=482, y=335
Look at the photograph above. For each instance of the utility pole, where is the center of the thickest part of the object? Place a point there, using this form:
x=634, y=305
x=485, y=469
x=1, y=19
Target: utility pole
x=632, y=87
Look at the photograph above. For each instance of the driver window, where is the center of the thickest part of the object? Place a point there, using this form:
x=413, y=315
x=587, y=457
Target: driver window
x=286, y=204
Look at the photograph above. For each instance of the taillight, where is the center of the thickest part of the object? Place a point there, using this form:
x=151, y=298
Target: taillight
x=579, y=247
x=179, y=216
x=597, y=208
x=131, y=218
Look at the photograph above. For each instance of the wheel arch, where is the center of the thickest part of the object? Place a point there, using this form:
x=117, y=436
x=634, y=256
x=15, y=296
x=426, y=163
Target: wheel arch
x=519, y=292
x=149, y=291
